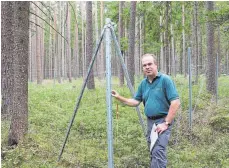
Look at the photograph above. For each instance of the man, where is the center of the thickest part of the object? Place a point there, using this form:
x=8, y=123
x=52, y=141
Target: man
x=161, y=101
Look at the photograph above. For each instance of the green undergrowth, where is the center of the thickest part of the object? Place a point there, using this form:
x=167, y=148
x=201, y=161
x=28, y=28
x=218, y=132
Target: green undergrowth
x=51, y=108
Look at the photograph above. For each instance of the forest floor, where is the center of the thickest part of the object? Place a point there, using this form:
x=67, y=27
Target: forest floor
x=51, y=106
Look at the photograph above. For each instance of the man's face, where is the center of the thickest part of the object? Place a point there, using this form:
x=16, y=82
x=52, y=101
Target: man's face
x=149, y=68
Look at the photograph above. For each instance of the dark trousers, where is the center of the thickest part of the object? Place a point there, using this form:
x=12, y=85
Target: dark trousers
x=158, y=153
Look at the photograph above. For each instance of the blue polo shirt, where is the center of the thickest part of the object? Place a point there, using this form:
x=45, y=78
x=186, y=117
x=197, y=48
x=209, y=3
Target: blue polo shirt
x=156, y=96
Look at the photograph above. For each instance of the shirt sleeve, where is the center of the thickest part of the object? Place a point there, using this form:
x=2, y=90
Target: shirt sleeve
x=138, y=94
x=170, y=89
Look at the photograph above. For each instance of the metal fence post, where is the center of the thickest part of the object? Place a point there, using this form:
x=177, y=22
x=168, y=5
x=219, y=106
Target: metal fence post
x=108, y=95
x=217, y=75
x=190, y=87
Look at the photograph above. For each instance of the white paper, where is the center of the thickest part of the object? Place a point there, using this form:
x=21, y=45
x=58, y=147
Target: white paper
x=153, y=136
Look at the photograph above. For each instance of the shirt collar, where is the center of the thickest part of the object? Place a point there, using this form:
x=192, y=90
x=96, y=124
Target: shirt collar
x=158, y=76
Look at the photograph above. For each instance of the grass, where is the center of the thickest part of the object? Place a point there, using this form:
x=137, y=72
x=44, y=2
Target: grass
x=51, y=108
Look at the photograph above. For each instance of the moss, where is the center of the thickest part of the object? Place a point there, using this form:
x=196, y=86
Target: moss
x=220, y=123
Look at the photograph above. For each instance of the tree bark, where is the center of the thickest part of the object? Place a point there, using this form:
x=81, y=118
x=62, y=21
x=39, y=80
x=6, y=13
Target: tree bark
x=167, y=39
x=19, y=121
x=7, y=46
x=77, y=66
x=161, y=51
x=102, y=58
x=83, y=39
x=137, y=48
x=69, y=56
x=121, y=36
x=131, y=41
x=38, y=49
x=59, y=45
x=196, y=39
x=183, y=61
x=89, y=43
x=211, y=64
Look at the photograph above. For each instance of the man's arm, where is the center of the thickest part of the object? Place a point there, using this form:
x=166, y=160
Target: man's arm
x=129, y=102
x=174, y=106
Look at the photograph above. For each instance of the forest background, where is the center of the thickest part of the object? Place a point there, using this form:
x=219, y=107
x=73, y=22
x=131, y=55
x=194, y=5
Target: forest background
x=47, y=47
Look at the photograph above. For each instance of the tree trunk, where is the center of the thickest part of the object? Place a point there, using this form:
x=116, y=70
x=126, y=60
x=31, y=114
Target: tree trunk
x=83, y=39
x=172, y=52
x=219, y=50
x=38, y=49
x=167, y=39
x=42, y=47
x=200, y=49
x=183, y=61
x=59, y=44
x=102, y=58
x=50, y=50
x=63, y=47
x=19, y=121
x=77, y=66
x=161, y=52
x=121, y=36
x=69, y=60
x=137, y=45
x=97, y=62
x=33, y=51
x=196, y=40
x=89, y=43
x=211, y=64
x=7, y=46
x=131, y=41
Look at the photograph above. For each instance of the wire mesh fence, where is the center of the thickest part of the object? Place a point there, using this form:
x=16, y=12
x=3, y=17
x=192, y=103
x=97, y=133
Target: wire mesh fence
x=51, y=106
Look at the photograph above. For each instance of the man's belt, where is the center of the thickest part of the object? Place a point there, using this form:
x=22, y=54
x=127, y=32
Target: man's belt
x=156, y=117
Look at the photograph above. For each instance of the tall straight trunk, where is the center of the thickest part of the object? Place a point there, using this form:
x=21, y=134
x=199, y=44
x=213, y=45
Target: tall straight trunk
x=167, y=39
x=196, y=39
x=211, y=64
x=89, y=43
x=83, y=38
x=54, y=49
x=102, y=58
x=58, y=39
x=38, y=49
x=137, y=47
x=19, y=121
x=7, y=46
x=33, y=52
x=30, y=49
x=181, y=56
x=97, y=62
x=121, y=36
x=218, y=49
x=183, y=67
x=200, y=49
x=172, y=52
x=77, y=66
x=142, y=35
x=131, y=41
x=42, y=42
x=69, y=56
x=161, y=51
x=50, y=53
x=63, y=72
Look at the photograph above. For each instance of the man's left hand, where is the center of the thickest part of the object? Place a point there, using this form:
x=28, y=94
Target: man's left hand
x=161, y=127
